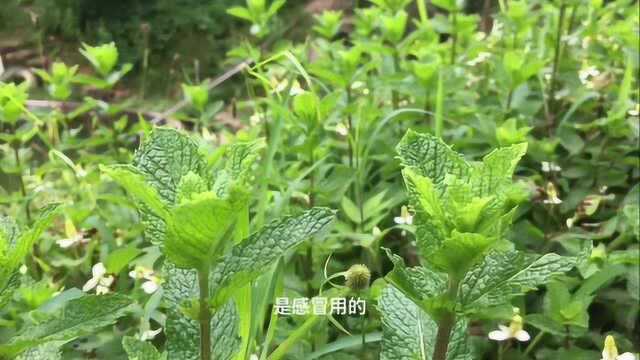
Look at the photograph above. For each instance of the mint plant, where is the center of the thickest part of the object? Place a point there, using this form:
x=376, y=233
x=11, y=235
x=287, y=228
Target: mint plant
x=197, y=209
x=462, y=213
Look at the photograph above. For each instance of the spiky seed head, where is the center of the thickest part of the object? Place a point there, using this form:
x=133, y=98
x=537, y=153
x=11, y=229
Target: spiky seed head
x=358, y=277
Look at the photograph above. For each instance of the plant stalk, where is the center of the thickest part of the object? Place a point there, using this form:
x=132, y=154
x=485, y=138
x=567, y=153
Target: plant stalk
x=454, y=36
x=446, y=323
x=23, y=189
x=554, y=72
x=205, y=315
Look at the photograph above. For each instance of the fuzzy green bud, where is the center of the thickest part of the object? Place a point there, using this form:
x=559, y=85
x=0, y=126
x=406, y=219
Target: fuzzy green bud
x=358, y=277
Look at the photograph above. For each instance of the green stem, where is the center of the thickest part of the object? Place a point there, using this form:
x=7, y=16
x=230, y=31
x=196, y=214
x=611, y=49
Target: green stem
x=23, y=189
x=205, y=315
x=554, y=72
x=509, y=100
x=454, y=36
x=535, y=342
x=395, y=97
x=350, y=128
x=297, y=335
x=446, y=323
x=439, y=118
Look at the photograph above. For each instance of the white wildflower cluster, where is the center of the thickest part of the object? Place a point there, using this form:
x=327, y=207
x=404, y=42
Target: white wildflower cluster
x=99, y=280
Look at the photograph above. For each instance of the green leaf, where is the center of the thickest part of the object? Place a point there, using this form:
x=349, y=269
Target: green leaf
x=196, y=229
x=103, y=57
x=496, y=170
x=140, y=350
x=240, y=12
x=28, y=238
x=164, y=159
x=48, y=351
x=564, y=308
x=120, y=258
x=430, y=157
x=417, y=283
x=305, y=106
x=600, y=279
x=247, y=259
x=180, y=285
x=239, y=164
x=459, y=252
x=350, y=210
x=77, y=318
x=409, y=333
x=502, y=275
x=14, y=246
x=183, y=334
x=9, y=284
x=190, y=185
x=132, y=180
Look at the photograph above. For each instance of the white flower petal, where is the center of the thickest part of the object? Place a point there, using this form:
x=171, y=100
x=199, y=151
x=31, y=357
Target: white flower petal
x=409, y=220
x=626, y=356
x=98, y=270
x=107, y=281
x=65, y=243
x=150, y=334
x=499, y=335
x=101, y=290
x=149, y=287
x=398, y=220
x=133, y=274
x=522, y=335
x=90, y=284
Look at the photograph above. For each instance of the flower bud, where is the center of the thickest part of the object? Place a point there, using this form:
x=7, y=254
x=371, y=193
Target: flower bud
x=358, y=277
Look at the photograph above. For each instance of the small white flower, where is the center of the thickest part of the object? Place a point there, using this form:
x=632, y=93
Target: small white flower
x=587, y=74
x=365, y=91
x=73, y=236
x=376, y=231
x=513, y=331
x=150, y=286
x=278, y=85
x=150, y=334
x=635, y=111
x=296, y=89
x=255, y=29
x=610, y=351
x=23, y=269
x=342, y=130
x=482, y=57
x=552, y=195
x=550, y=166
x=255, y=119
x=72, y=241
x=99, y=281
x=356, y=85
x=553, y=201
x=405, y=217
x=151, y=283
